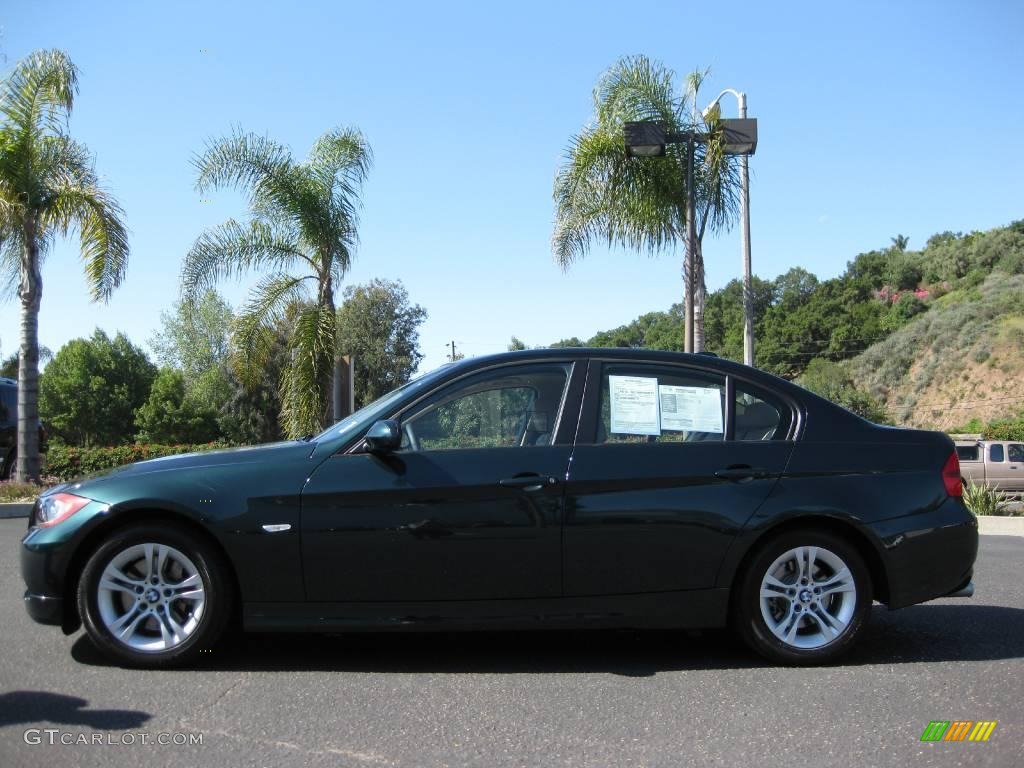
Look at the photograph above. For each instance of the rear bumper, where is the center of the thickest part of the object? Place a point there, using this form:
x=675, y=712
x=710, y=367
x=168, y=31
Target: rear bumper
x=929, y=555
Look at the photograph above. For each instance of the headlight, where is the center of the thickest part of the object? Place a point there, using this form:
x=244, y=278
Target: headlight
x=58, y=507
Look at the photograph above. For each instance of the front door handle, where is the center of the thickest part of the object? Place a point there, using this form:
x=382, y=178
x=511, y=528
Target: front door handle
x=742, y=472
x=529, y=483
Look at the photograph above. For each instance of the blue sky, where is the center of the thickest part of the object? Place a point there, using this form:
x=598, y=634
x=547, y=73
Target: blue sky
x=874, y=119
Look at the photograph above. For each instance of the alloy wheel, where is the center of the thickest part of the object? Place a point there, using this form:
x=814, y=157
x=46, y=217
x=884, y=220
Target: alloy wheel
x=808, y=597
x=151, y=597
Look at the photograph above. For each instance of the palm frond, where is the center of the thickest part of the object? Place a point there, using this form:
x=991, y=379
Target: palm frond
x=75, y=200
x=340, y=160
x=243, y=161
x=603, y=194
x=38, y=94
x=304, y=394
x=232, y=249
x=253, y=334
x=637, y=88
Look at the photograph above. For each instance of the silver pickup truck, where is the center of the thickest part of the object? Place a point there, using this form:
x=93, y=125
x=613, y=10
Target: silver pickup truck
x=995, y=463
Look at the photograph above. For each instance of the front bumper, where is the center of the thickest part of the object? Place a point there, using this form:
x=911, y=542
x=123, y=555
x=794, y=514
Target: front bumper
x=46, y=555
x=45, y=609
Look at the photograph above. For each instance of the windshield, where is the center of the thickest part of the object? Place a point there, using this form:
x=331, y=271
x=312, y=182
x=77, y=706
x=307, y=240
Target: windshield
x=368, y=414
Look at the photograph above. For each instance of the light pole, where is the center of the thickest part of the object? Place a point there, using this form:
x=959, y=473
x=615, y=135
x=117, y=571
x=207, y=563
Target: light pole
x=649, y=138
x=748, y=288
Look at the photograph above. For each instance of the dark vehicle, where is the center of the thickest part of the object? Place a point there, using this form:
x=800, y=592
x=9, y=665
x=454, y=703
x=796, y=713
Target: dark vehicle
x=541, y=489
x=9, y=428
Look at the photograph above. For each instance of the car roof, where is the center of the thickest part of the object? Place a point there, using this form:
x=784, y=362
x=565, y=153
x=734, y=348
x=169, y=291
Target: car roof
x=701, y=359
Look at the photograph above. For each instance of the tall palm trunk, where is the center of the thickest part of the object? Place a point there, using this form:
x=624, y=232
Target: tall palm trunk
x=30, y=292
x=325, y=300
x=700, y=291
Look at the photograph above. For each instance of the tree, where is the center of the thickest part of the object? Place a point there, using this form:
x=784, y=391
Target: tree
x=516, y=344
x=378, y=325
x=302, y=231
x=833, y=382
x=603, y=194
x=48, y=186
x=900, y=243
x=169, y=416
x=92, y=389
x=194, y=339
x=9, y=367
x=573, y=341
x=250, y=412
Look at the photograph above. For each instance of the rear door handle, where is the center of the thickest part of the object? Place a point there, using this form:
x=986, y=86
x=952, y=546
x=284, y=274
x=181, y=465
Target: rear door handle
x=528, y=483
x=741, y=473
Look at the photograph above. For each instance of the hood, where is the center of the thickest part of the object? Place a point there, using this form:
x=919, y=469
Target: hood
x=253, y=454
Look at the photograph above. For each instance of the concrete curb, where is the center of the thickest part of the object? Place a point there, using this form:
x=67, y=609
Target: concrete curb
x=1001, y=526
x=15, y=510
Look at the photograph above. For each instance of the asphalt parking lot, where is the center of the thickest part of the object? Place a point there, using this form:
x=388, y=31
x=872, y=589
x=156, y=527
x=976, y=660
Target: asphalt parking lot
x=540, y=699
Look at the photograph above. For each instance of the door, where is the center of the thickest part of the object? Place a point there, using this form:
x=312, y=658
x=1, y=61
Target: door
x=1014, y=476
x=469, y=508
x=656, y=493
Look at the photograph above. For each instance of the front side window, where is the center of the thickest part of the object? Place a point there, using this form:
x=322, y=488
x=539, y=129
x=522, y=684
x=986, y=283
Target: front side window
x=995, y=453
x=504, y=408
x=1015, y=452
x=648, y=404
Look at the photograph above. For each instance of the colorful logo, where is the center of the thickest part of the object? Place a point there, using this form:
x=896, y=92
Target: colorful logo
x=958, y=730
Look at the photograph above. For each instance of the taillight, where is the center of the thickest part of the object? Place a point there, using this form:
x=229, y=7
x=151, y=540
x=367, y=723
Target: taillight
x=951, y=476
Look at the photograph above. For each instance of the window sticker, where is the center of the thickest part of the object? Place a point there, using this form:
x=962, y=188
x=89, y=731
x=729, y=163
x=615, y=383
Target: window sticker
x=634, y=405
x=690, y=409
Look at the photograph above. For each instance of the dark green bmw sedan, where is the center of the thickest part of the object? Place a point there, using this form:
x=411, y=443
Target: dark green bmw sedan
x=541, y=489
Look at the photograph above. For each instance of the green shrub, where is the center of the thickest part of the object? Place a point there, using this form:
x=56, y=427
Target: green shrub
x=1005, y=429
x=67, y=462
x=982, y=500
x=12, y=491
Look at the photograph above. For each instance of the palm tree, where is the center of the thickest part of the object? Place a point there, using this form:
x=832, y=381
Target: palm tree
x=900, y=243
x=603, y=194
x=301, y=235
x=48, y=187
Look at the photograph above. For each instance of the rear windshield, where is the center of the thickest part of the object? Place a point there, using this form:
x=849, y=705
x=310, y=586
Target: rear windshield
x=967, y=452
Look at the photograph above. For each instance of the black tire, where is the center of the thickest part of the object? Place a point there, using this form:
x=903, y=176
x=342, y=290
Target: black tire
x=824, y=626
x=202, y=632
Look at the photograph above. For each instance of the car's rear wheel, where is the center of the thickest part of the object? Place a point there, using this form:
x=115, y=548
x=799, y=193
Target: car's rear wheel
x=154, y=595
x=804, y=598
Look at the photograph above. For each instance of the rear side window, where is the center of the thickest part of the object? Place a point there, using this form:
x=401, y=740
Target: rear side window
x=654, y=404
x=1015, y=451
x=967, y=452
x=759, y=416
x=995, y=453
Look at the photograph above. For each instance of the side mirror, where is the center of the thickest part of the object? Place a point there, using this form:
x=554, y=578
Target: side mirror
x=383, y=437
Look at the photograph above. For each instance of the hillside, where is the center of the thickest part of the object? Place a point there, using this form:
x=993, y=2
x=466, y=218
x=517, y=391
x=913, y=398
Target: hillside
x=931, y=338
x=961, y=360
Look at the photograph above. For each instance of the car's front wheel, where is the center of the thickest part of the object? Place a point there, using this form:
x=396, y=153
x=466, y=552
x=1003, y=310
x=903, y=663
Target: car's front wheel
x=154, y=595
x=804, y=598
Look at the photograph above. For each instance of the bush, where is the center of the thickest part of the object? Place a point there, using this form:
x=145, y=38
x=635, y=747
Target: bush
x=170, y=416
x=982, y=500
x=12, y=491
x=66, y=462
x=1005, y=429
